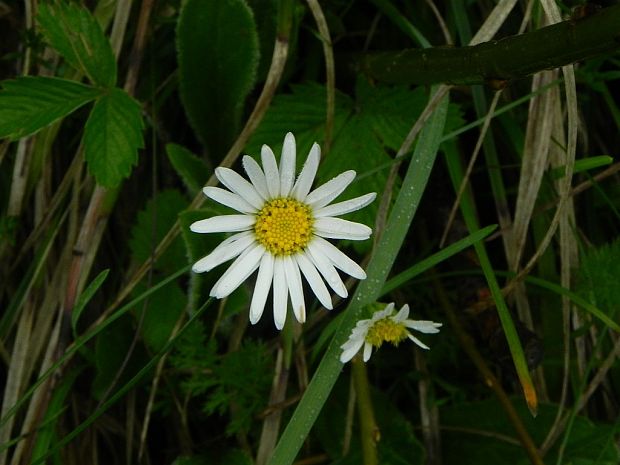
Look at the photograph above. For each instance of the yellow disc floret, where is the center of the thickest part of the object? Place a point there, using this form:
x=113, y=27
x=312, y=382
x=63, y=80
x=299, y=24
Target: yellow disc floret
x=283, y=226
x=386, y=330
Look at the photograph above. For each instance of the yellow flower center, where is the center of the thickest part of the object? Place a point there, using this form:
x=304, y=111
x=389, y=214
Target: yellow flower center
x=283, y=226
x=386, y=330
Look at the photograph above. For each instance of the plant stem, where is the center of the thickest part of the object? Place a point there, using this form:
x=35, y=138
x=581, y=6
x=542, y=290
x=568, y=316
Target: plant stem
x=369, y=431
x=500, y=60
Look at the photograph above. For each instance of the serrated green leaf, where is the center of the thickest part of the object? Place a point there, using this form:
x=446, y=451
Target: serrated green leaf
x=303, y=113
x=218, y=57
x=598, y=275
x=390, y=110
x=112, y=137
x=85, y=297
x=152, y=224
x=74, y=32
x=191, y=169
x=358, y=148
x=28, y=104
x=231, y=375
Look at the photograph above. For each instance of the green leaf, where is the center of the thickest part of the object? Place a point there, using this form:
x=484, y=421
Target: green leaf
x=218, y=57
x=597, y=277
x=85, y=297
x=251, y=361
x=77, y=36
x=28, y=104
x=192, y=170
x=163, y=311
x=585, y=164
x=112, y=137
x=438, y=257
x=486, y=443
x=301, y=112
x=265, y=17
x=152, y=224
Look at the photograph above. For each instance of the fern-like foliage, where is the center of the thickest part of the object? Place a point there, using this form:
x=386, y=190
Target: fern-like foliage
x=236, y=381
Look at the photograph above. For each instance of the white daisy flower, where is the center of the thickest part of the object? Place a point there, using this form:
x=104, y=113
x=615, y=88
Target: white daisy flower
x=384, y=326
x=281, y=231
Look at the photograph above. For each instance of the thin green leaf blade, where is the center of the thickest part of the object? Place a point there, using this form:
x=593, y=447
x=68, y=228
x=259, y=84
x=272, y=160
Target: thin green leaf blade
x=218, y=55
x=28, y=104
x=85, y=297
x=585, y=164
x=112, y=137
x=508, y=325
x=74, y=32
x=436, y=258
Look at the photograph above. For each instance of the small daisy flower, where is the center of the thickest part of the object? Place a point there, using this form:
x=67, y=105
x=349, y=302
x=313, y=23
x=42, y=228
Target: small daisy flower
x=384, y=326
x=281, y=230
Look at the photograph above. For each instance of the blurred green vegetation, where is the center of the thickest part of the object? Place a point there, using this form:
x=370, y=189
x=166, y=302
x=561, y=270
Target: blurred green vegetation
x=113, y=115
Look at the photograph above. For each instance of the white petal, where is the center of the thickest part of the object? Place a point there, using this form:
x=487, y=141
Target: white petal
x=270, y=167
x=424, y=326
x=314, y=280
x=261, y=289
x=337, y=228
x=324, y=194
x=308, y=172
x=280, y=293
x=322, y=263
x=256, y=175
x=236, y=183
x=418, y=342
x=380, y=315
x=389, y=309
x=227, y=250
x=238, y=272
x=295, y=288
x=287, y=165
x=402, y=314
x=351, y=348
x=348, y=206
x=367, y=351
x=230, y=199
x=224, y=223
x=339, y=259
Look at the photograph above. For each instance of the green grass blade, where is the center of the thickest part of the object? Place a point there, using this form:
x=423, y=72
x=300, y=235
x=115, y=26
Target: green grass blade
x=576, y=299
x=79, y=342
x=514, y=344
x=436, y=258
x=368, y=290
x=85, y=297
x=126, y=387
